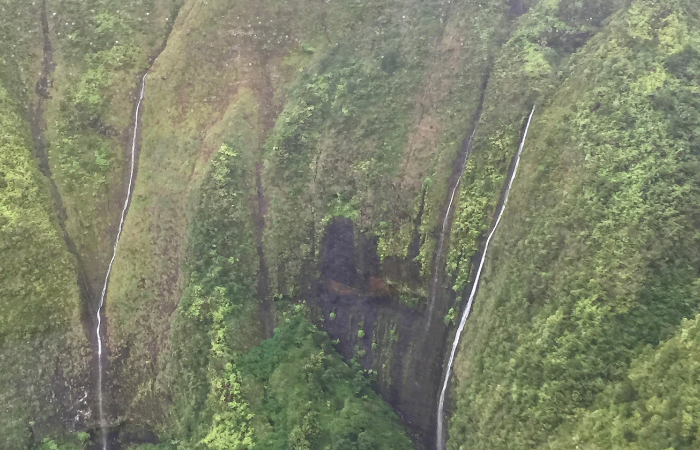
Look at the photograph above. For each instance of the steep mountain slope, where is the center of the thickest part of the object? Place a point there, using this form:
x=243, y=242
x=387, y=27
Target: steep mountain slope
x=97, y=50
x=596, y=256
x=315, y=183
x=44, y=353
x=43, y=349
x=653, y=407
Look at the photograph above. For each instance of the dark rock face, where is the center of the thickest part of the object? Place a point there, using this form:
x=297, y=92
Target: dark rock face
x=517, y=8
x=339, y=252
x=363, y=311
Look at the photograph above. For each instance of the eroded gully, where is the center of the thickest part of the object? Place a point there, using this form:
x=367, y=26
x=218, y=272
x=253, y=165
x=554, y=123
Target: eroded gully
x=472, y=295
x=125, y=209
x=447, y=220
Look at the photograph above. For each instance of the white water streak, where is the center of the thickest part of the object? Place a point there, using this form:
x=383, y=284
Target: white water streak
x=441, y=242
x=472, y=295
x=103, y=422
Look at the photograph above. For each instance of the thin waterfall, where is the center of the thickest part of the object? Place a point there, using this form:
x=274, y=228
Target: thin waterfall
x=472, y=295
x=441, y=241
x=130, y=189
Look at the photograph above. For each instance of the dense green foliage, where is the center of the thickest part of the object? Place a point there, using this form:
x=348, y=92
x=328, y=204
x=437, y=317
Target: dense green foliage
x=39, y=297
x=655, y=406
x=217, y=314
x=528, y=67
x=30, y=240
x=76, y=441
x=82, y=148
x=599, y=259
x=293, y=392
x=303, y=396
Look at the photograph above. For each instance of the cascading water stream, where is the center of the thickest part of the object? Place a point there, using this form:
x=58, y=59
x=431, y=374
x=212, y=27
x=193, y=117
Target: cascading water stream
x=445, y=222
x=472, y=295
x=130, y=189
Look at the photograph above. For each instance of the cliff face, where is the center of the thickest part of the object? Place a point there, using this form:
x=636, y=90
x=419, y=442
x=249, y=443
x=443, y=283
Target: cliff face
x=335, y=166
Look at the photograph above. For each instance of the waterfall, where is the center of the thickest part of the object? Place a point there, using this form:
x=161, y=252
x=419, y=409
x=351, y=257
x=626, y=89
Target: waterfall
x=441, y=241
x=127, y=200
x=472, y=295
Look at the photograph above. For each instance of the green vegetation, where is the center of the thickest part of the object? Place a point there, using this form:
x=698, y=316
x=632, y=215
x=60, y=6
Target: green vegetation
x=311, y=110
x=40, y=305
x=206, y=88
x=82, y=148
x=77, y=441
x=81, y=112
x=655, y=406
x=20, y=54
x=41, y=338
x=292, y=391
x=344, y=98
x=30, y=240
x=217, y=313
x=152, y=447
x=379, y=77
x=451, y=317
x=595, y=258
x=99, y=48
x=354, y=141
x=304, y=397
x=528, y=68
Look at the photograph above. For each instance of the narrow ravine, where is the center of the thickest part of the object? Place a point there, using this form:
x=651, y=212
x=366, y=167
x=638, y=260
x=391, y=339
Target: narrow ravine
x=472, y=295
x=127, y=201
x=266, y=310
x=446, y=221
x=37, y=123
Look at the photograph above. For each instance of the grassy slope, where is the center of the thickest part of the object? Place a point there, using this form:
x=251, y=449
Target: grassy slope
x=99, y=49
x=358, y=136
x=371, y=123
x=44, y=354
x=594, y=257
x=217, y=80
x=208, y=87
x=202, y=91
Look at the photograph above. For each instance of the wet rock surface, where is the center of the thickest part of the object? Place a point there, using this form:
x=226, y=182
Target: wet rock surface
x=375, y=329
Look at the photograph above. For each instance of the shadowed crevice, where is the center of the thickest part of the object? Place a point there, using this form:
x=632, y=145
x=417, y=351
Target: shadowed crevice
x=38, y=125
